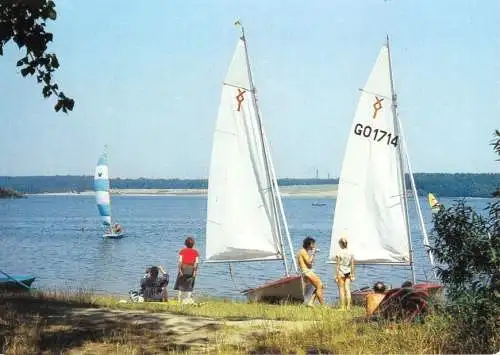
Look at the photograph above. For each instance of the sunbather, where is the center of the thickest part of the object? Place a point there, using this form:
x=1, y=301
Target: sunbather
x=374, y=299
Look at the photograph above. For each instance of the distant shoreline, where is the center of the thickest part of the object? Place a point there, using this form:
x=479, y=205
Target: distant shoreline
x=440, y=184
x=318, y=191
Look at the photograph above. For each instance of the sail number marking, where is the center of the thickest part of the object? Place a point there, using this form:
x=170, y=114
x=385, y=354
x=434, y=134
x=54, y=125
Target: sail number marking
x=376, y=134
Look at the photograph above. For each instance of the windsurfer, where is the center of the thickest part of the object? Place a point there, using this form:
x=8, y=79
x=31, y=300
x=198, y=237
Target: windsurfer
x=305, y=258
x=117, y=228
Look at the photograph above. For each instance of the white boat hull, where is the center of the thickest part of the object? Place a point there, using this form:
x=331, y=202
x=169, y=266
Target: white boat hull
x=290, y=289
x=113, y=235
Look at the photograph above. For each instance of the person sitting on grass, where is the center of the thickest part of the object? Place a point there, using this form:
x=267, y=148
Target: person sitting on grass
x=305, y=258
x=154, y=285
x=374, y=299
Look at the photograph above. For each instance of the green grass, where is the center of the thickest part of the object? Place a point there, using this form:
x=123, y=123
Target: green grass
x=237, y=328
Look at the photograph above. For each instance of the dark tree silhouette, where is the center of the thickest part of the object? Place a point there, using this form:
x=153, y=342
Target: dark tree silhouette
x=23, y=22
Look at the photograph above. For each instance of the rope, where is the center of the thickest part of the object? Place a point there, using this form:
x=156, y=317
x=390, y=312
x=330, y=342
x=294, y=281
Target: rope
x=234, y=281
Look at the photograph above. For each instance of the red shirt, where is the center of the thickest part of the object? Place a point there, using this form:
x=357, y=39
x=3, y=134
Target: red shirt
x=189, y=255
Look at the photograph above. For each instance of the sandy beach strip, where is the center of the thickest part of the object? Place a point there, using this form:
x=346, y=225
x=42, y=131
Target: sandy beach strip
x=315, y=191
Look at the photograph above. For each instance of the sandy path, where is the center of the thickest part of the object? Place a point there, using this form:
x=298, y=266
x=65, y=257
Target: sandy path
x=181, y=332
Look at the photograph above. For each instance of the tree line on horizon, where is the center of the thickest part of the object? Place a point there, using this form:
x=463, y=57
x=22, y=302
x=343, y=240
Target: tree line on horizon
x=441, y=184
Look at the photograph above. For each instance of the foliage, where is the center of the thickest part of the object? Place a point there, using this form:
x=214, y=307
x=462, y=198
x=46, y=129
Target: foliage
x=24, y=22
x=496, y=147
x=467, y=248
x=456, y=185
x=443, y=185
x=496, y=142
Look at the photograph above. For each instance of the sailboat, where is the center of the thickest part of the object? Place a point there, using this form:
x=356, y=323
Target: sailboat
x=434, y=203
x=372, y=201
x=103, y=200
x=245, y=218
x=15, y=283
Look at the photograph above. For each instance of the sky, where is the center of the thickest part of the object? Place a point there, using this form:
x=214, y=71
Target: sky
x=147, y=79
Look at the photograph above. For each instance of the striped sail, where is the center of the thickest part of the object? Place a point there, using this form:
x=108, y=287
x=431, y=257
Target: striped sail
x=101, y=188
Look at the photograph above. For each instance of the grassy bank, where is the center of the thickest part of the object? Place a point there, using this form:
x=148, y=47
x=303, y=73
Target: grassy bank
x=82, y=322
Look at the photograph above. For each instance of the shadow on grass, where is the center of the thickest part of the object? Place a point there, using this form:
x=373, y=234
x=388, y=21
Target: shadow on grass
x=37, y=324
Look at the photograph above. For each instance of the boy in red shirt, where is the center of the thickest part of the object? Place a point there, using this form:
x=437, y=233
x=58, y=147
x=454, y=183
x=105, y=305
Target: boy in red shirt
x=187, y=267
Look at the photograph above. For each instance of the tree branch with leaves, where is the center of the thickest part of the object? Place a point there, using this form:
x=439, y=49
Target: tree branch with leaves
x=467, y=248
x=24, y=23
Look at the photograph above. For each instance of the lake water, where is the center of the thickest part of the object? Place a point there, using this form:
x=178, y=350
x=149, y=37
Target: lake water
x=42, y=235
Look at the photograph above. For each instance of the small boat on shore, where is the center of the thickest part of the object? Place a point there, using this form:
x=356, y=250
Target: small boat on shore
x=16, y=283
x=245, y=217
x=372, y=201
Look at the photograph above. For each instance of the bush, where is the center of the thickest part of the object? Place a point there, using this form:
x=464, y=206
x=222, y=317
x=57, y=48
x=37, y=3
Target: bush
x=467, y=248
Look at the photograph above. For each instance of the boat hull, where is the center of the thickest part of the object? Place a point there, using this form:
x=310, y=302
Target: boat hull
x=358, y=297
x=113, y=235
x=7, y=284
x=287, y=289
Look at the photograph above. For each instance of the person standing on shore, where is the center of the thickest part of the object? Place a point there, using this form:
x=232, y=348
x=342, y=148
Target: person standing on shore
x=187, y=268
x=305, y=259
x=344, y=273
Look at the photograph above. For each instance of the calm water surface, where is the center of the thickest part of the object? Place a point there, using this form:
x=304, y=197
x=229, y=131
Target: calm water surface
x=42, y=235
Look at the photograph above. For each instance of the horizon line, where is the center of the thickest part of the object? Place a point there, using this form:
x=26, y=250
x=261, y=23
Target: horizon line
x=206, y=178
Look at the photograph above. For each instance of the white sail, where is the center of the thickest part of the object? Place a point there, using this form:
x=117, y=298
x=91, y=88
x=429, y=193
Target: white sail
x=242, y=224
x=370, y=211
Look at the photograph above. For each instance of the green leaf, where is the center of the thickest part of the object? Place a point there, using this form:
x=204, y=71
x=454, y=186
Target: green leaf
x=70, y=103
x=46, y=91
x=25, y=71
x=54, y=61
x=59, y=105
x=53, y=14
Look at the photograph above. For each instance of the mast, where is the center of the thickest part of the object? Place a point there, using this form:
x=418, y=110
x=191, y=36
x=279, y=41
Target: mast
x=109, y=191
x=401, y=164
x=264, y=150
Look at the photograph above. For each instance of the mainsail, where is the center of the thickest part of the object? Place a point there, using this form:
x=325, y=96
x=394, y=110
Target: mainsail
x=101, y=188
x=371, y=209
x=243, y=223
